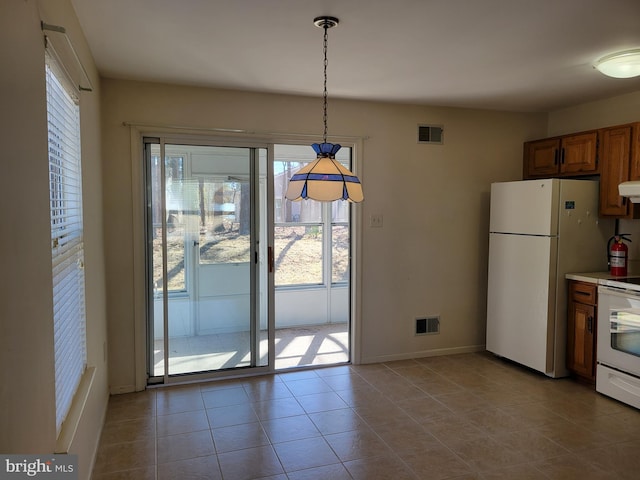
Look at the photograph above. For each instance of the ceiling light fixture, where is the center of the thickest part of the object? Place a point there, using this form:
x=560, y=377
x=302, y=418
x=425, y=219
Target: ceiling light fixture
x=325, y=179
x=625, y=64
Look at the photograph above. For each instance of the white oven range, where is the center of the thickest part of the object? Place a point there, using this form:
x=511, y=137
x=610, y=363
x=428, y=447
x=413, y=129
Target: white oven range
x=618, y=339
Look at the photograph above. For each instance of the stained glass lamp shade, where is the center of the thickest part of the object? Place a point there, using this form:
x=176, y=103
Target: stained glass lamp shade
x=325, y=179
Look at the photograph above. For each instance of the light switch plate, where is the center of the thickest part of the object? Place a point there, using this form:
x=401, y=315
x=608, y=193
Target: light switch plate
x=375, y=220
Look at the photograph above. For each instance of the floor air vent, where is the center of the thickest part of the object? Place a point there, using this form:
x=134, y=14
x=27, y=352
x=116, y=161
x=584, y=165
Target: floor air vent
x=427, y=325
x=430, y=134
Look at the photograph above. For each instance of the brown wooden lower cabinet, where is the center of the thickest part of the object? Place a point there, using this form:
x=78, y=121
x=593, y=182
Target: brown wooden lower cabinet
x=581, y=329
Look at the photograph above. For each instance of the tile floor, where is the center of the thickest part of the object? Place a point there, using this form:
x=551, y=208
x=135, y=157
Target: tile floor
x=469, y=416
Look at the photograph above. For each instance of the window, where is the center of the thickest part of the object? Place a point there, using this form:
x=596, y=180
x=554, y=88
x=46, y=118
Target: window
x=176, y=214
x=67, y=248
x=224, y=220
x=311, y=238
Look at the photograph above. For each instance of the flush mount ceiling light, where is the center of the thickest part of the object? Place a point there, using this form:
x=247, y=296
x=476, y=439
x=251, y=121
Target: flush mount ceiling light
x=325, y=179
x=625, y=64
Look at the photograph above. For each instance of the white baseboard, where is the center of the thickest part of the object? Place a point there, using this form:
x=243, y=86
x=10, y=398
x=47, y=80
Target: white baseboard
x=423, y=353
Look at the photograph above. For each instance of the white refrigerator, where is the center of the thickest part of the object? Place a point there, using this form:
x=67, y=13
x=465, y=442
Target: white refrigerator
x=540, y=230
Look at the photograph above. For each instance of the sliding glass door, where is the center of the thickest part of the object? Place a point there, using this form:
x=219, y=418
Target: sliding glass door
x=207, y=257
x=236, y=278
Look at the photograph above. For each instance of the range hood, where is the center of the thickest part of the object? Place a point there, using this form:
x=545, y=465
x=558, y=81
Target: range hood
x=630, y=190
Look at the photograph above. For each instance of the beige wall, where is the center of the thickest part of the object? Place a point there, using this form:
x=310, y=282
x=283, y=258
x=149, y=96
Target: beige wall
x=27, y=398
x=603, y=113
x=429, y=258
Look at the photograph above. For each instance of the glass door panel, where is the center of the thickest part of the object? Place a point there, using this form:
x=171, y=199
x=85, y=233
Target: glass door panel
x=205, y=286
x=312, y=269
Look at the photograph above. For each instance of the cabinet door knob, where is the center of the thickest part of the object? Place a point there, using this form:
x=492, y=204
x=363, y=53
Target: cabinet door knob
x=590, y=324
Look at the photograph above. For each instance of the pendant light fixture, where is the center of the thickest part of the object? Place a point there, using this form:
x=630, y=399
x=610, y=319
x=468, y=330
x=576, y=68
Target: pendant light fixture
x=325, y=179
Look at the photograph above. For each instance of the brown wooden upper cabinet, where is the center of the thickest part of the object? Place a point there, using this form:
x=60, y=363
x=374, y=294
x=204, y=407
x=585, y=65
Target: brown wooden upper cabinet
x=569, y=155
x=616, y=153
x=634, y=173
x=613, y=153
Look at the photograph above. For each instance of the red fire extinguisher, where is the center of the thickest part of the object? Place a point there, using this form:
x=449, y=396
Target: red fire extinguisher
x=618, y=255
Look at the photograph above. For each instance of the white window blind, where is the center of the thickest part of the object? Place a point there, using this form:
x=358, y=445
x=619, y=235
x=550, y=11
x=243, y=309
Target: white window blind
x=65, y=188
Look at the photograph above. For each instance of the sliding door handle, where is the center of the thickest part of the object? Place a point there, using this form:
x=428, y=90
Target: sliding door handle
x=270, y=258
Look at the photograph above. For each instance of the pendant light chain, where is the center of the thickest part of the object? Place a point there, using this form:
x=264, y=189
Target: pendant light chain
x=325, y=94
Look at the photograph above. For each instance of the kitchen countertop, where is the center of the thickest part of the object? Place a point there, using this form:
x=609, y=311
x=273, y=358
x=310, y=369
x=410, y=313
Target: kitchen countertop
x=589, y=277
x=593, y=277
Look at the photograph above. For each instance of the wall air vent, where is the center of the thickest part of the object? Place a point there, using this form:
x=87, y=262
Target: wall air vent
x=427, y=325
x=430, y=134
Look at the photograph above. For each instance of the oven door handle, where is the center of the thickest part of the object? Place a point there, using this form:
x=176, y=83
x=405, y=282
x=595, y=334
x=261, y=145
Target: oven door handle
x=617, y=292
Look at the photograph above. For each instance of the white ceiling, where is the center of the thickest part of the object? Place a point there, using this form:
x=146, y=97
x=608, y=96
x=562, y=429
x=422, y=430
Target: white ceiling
x=515, y=55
